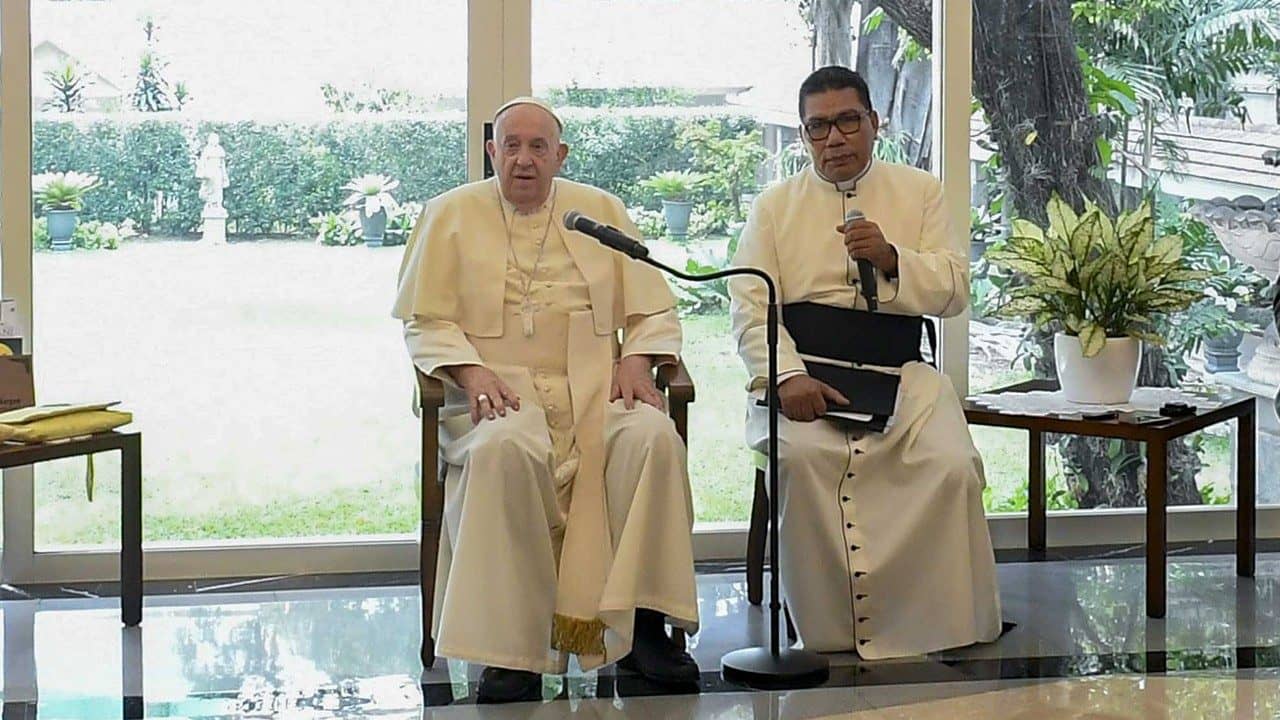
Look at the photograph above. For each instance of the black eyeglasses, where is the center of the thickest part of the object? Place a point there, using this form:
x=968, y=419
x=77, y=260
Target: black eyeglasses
x=849, y=123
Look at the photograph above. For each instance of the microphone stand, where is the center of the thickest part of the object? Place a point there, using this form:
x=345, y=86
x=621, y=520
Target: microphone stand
x=774, y=667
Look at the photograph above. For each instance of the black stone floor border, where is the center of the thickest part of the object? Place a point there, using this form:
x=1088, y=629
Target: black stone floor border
x=277, y=583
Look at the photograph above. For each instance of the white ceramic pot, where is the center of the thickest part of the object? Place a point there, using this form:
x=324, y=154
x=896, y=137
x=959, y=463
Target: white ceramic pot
x=1106, y=378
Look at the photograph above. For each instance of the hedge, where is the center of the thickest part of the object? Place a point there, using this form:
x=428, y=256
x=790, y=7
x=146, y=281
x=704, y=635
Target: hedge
x=283, y=173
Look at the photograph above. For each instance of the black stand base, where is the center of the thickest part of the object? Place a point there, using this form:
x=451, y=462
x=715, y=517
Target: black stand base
x=790, y=669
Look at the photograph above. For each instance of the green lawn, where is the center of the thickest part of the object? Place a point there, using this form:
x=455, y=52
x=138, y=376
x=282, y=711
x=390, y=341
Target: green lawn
x=273, y=394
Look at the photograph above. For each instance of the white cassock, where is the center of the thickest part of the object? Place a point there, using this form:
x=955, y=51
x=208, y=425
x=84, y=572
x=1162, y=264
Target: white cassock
x=561, y=518
x=884, y=541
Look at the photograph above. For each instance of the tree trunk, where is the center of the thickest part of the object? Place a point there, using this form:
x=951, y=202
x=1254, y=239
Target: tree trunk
x=875, y=59
x=902, y=96
x=1028, y=78
x=834, y=32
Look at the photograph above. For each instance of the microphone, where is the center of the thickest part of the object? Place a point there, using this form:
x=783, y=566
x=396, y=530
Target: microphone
x=866, y=272
x=607, y=234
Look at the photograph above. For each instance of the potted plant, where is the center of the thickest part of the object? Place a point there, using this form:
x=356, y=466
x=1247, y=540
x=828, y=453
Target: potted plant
x=1230, y=297
x=1102, y=281
x=61, y=195
x=371, y=198
x=674, y=188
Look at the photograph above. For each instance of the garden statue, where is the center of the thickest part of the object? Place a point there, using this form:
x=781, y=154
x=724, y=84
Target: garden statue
x=211, y=169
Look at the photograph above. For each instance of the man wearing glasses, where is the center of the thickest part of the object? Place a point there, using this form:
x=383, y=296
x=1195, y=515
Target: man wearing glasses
x=884, y=543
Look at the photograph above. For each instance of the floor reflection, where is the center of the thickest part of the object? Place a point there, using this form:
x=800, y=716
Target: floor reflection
x=354, y=652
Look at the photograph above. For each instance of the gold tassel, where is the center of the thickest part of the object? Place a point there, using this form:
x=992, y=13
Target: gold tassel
x=577, y=636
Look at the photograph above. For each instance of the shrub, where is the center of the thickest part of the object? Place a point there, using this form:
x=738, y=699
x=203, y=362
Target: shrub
x=400, y=224
x=650, y=223
x=89, y=235
x=283, y=174
x=336, y=229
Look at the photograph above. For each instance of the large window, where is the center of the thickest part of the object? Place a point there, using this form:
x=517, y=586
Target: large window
x=270, y=381
x=265, y=372
x=1121, y=102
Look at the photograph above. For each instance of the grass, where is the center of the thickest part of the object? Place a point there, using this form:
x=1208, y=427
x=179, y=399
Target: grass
x=271, y=387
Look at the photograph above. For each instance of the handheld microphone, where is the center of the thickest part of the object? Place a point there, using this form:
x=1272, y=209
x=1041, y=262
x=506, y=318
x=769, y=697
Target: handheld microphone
x=866, y=271
x=607, y=234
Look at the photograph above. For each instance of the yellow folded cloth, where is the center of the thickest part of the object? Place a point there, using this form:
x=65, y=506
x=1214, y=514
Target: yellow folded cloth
x=62, y=426
x=40, y=412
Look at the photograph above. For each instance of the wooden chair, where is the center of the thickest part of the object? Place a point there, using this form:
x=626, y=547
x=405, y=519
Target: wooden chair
x=757, y=532
x=757, y=536
x=673, y=379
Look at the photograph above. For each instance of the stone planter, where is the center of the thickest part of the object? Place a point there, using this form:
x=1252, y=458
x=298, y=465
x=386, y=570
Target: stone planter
x=677, y=213
x=1222, y=352
x=977, y=248
x=1107, y=378
x=62, y=225
x=373, y=228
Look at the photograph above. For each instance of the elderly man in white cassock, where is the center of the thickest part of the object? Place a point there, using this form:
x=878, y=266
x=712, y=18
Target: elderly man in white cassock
x=568, y=514
x=884, y=543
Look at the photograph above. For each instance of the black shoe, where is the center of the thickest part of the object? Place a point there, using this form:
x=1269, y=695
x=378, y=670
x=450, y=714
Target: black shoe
x=655, y=657
x=501, y=685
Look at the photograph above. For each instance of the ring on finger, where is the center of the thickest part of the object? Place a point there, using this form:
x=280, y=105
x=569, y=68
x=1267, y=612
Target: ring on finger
x=482, y=397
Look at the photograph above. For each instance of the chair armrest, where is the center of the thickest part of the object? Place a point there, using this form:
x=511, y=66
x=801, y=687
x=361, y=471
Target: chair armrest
x=676, y=381
x=673, y=378
x=430, y=390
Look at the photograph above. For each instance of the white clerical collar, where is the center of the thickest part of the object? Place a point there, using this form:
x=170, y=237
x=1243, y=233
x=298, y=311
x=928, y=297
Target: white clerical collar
x=851, y=183
x=510, y=209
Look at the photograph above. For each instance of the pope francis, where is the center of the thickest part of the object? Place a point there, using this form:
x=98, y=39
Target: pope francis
x=568, y=514
x=884, y=544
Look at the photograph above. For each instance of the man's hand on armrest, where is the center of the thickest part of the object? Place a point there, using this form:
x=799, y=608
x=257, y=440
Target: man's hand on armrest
x=487, y=395
x=633, y=380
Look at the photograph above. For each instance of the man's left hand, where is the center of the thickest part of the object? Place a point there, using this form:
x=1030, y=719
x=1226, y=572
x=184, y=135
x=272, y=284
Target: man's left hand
x=633, y=380
x=863, y=240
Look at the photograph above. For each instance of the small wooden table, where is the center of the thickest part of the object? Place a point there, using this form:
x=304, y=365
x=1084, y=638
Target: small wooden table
x=1157, y=436
x=130, y=446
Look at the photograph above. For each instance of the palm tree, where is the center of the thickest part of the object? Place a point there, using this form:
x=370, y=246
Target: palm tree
x=1175, y=49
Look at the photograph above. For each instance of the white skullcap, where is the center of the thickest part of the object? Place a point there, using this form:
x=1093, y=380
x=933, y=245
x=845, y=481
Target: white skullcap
x=526, y=100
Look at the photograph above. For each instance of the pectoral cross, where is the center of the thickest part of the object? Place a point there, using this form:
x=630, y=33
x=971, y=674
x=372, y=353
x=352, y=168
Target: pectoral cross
x=526, y=316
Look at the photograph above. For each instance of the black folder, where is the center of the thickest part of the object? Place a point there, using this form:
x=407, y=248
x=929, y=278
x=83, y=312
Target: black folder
x=858, y=337
x=869, y=392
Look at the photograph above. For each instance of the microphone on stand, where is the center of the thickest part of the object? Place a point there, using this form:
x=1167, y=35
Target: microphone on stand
x=866, y=271
x=607, y=234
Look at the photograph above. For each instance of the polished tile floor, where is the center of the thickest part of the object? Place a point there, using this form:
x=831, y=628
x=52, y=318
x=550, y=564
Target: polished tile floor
x=1081, y=647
